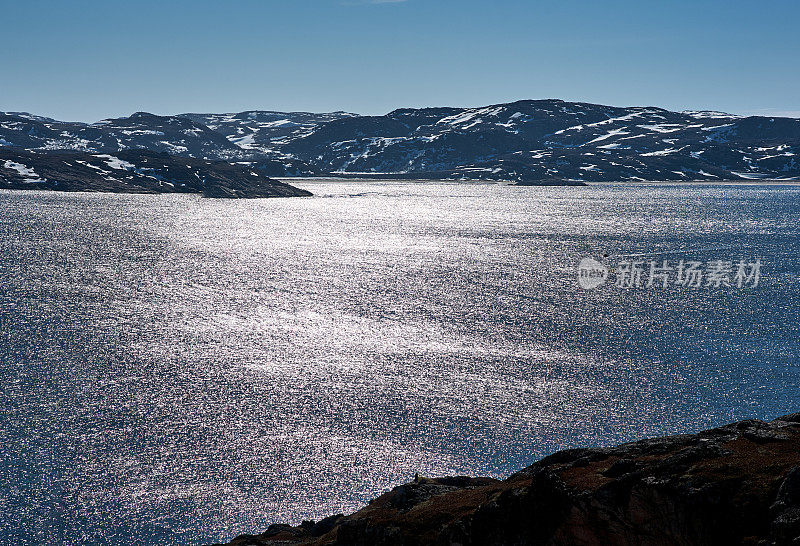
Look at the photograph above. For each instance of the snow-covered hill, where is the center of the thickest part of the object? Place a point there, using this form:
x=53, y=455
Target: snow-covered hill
x=526, y=141
x=536, y=140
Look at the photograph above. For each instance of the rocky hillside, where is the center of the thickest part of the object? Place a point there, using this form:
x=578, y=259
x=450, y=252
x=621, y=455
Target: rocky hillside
x=264, y=131
x=230, y=137
x=738, y=484
x=262, y=134
x=527, y=141
x=135, y=171
x=536, y=140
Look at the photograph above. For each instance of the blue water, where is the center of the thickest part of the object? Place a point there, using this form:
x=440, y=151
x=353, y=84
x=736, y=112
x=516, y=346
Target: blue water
x=178, y=370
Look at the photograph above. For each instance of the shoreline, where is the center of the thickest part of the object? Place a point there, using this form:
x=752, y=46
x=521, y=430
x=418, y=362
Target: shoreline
x=670, y=490
x=700, y=183
x=743, y=182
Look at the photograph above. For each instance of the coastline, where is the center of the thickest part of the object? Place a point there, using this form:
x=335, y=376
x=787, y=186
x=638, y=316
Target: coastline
x=700, y=183
x=742, y=182
x=735, y=484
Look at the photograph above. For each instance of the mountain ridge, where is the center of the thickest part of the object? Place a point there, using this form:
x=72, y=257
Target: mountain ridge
x=526, y=141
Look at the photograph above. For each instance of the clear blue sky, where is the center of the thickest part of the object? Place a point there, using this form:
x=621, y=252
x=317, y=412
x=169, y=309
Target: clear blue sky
x=86, y=60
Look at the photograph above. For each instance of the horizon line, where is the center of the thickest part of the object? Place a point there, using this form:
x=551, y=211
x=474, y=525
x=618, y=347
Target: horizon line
x=760, y=112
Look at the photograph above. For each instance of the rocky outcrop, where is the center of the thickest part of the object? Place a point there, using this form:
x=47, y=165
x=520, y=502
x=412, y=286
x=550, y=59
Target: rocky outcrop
x=136, y=171
x=737, y=484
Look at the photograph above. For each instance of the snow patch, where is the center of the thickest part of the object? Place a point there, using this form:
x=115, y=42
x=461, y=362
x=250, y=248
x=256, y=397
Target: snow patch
x=115, y=162
x=613, y=132
x=660, y=153
x=24, y=171
x=247, y=142
x=662, y=127
x=751, y=176
x=708, y=114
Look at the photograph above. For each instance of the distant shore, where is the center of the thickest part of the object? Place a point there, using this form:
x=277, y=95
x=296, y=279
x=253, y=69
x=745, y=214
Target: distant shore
x=699, y=183
x=741, y=182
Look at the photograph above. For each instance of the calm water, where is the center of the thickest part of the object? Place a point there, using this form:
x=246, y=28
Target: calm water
x=180, y=370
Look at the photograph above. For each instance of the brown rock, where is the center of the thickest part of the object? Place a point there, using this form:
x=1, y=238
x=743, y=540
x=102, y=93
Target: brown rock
x=737, y=484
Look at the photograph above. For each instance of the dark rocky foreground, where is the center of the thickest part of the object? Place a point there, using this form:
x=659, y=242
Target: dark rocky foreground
x=135, y=171
x=737, y=484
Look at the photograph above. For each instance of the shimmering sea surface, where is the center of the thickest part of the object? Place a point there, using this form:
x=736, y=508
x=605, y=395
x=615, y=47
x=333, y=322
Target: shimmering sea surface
x=178, y=370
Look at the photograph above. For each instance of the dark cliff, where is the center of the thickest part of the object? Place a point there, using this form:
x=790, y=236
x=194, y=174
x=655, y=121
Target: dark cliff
x=737, y=484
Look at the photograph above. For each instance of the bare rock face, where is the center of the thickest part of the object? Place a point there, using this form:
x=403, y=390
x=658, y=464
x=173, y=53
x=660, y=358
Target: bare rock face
x=737, y=484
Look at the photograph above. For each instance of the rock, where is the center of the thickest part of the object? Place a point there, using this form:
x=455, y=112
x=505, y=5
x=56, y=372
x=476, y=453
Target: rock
x=785, y=528
x=736, y=484
x=325, y=525
x=620, y=468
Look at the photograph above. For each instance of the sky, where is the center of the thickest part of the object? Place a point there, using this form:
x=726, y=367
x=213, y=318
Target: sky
x=86, y=60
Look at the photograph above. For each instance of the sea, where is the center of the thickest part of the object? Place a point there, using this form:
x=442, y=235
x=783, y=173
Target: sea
x=181, y=370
